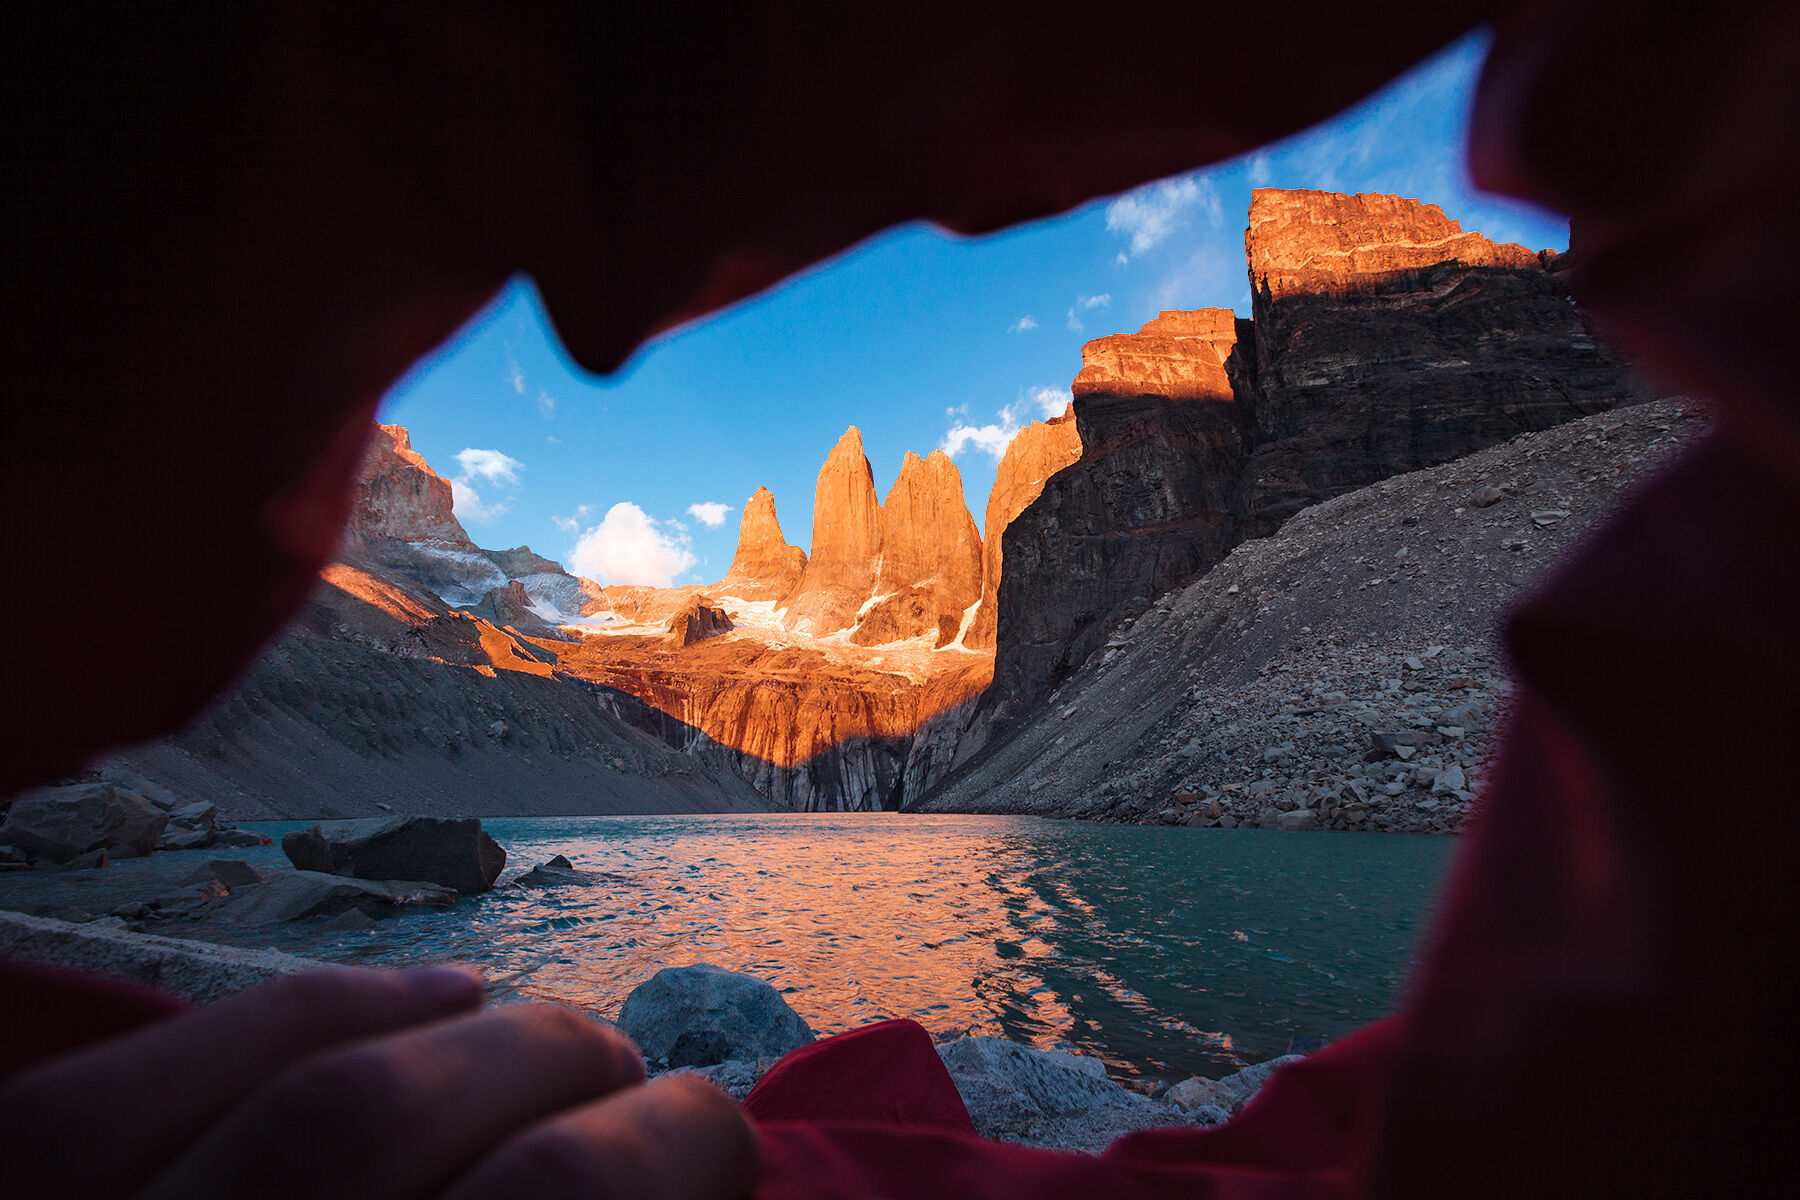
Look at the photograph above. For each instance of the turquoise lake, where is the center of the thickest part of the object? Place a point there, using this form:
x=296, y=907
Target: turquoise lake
x=1166, y=951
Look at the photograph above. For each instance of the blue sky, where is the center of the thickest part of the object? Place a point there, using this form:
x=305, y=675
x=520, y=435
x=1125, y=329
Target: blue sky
x=912, y=336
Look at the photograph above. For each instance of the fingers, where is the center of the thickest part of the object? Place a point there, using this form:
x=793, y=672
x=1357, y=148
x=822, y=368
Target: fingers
x=675, y=1137
x=98, y=1122
x=400, y=1116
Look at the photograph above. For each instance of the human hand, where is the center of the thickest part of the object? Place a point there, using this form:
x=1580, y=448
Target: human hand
x=354, y=1083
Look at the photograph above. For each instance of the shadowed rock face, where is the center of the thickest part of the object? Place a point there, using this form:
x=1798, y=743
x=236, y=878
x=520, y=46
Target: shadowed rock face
x=930, y=556
x=765, y=567
x=1387, y=339
x=1147, y=505
x=846, y=543
x=511, y=607
x=700, y=618
x=521, y=561
x=1037, y=452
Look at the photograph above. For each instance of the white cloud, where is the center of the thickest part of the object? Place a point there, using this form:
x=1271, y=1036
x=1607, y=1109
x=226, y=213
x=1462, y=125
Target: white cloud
x=1103, y=300
x=514, y=375
x=709, y=512
x=1148, y=215
x=546, y=403
x=1024, y=324
x=1050, y=401
x=993, y=438
x=468, y=505
x=1075, y=325
x=489, y=465
x=552, y=439
x=1259, y=170
x=628, y=547
x=1122, y=258
x=990, y=439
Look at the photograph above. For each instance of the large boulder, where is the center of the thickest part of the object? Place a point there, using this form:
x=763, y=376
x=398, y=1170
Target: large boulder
x=293, y=895
x=62, y=823
x=443, y=850
x=1046, y=1097
x=701, y=1015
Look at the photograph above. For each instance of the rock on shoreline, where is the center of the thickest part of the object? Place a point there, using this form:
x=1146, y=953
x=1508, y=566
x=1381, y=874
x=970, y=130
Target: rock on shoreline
x=726, y=1026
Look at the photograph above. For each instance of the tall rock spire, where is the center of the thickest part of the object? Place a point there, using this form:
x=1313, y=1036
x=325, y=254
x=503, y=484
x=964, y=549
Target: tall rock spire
x=930, y=556
x=846, y=543
x=765, y=566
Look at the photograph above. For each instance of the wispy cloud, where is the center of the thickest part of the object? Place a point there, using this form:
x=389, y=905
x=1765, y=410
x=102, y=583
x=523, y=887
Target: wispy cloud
x=1147, y=216
x=1210, y=272
x=1075, y=325
x=709, y=513
x=515, y=375
x=993, y=438
x=493, y=469
x=570, y=524
x=1103, y=300
x=629, y=547
x=1024, y=324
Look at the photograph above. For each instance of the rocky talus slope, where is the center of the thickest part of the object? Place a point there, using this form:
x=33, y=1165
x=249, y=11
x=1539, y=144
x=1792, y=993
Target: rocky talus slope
x=1341, y=673
x=1385, y=339
x=382, y=697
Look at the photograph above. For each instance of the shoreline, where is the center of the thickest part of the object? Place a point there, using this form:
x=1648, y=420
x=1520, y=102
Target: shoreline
x=1054, y=1099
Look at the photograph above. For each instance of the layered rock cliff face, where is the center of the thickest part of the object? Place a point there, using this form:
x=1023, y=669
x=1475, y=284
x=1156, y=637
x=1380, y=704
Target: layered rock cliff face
x=1384, y=339
x=1388, y=339
x=404, y=518
x=1150, y=502
x=765, y=567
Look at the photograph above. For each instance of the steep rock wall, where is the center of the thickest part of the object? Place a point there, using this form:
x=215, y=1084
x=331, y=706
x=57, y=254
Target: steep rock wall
x=1388, y=339
x=1037, y=452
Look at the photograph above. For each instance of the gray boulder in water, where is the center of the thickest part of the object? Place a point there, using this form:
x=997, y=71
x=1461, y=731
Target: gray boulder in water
x=555, y=873
x=292, y=895
x=701, y=1015
x=64, y=822
x=1046, y=1097
x=453, y=852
